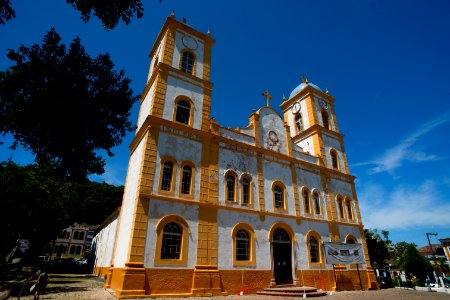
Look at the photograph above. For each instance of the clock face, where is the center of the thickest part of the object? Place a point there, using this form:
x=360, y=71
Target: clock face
x=189, y=42
x=296, y=107
x=323, y=103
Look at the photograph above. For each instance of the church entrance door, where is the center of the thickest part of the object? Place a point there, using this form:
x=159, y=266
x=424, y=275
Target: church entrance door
x=282, y=257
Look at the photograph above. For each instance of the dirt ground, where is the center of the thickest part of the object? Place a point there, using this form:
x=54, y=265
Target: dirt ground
x=81, y=287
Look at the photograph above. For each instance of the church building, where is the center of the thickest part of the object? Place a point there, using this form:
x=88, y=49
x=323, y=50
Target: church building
x=212, y=210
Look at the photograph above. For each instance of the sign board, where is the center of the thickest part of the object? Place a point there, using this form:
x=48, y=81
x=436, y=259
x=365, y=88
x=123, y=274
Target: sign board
x=338, y=253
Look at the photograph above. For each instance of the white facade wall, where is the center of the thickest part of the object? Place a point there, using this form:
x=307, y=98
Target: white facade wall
x=146, y=105
x=180, y=149
x=104, y=244
x=156, y=58
x=270, y=120
x=157, y=211
x=198, y=52
x=129, y=202
x=240, y=164
x=332, y=143
x=176, y=88
x=272, y=172
x=307, y=145
x=328, y=110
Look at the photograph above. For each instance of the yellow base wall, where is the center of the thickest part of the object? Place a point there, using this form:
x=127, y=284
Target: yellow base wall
x=179, y=281
x=101, y=271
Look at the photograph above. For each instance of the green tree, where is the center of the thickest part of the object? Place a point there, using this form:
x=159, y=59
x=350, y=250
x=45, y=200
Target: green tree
x=378, y=246
x=65, y=106
x=108, y=12
x=413, y=262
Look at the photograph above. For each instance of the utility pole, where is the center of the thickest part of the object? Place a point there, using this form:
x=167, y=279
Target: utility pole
x=429, y=243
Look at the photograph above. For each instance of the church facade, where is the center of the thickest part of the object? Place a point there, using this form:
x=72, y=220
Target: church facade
x=211, y=210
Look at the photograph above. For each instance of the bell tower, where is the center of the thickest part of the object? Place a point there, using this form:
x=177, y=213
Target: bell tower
x=178, y=84
x=313, y=126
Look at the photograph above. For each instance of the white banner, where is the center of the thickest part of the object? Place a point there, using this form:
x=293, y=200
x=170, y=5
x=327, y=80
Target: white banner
x=337, y=253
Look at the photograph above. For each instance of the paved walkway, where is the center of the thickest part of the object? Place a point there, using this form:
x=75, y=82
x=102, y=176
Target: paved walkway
x=80, y=287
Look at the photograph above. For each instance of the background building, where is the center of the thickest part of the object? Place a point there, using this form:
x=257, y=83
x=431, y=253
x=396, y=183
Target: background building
x=211, y=210
x=73, y=241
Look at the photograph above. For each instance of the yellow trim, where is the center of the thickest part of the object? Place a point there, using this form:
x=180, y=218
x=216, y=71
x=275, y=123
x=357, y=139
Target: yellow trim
x=350, y=237
x=282, y=225
x=250, y=190
x=191, y=193
x=252, y=255
x=191, y=110
x=319, y=249
x=182, y=261
x=161, y=171
x=306, y=191
x=349, y=209
x=235, y=189
x=313, y=193
x=295, y=187
x=283, y=188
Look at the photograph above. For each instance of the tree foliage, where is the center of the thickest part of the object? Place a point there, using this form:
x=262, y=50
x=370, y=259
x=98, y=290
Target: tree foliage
x=413, y=262
x=65, y=106
x=108, y=12
x=36, y=203
x=378, y=246
x=6, y=11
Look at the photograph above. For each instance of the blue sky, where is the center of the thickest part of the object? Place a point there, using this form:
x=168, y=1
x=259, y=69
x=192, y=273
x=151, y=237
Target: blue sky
x=387, y=63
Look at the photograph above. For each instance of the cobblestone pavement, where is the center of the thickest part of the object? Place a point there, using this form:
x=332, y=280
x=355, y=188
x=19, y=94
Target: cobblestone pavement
x=81, y=287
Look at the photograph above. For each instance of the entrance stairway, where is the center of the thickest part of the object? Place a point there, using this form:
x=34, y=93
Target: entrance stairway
x=292, y=291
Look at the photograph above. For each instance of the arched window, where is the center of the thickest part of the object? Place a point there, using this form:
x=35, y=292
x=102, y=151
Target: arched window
x=325, y=119
x=230, y=187
x=167, y=174
x=183, y=112
x=246, y=192
x=242, y=245
x=81, y=236
x=313, y=250
x=334, y=159
x=278, y=196
x=299, y=123
x=186, y=180
x=350, y=240
x=306, y=203
x=348, y=204
x=78, y=251
x=187, y=62
x=72, y=249
x=171, y=241
x=75, y=235
x=340, y=207
x=316, y=203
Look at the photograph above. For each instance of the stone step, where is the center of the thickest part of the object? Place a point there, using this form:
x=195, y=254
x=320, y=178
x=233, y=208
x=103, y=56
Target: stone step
x=293, y=291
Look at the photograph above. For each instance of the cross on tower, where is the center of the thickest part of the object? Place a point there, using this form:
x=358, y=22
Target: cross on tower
x=268, y=97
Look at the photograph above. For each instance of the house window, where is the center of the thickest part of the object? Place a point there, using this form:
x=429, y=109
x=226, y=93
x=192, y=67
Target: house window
x=298, y=123
x=242, y=245
x=72, y=249
x=230, y=186
x=78, y=251
x=334, y=159
x=75, y=235
x=171, y=241
x=186, y=180
x=316, y=203
x=306, y=205
x=313, y=250
x=187, y=62
x=183, y=111
x=340, y=207
x=166, y=180
x=245, y=191
x=348, y=203
x=81, y=236
x=278, y=194
x=325, y=119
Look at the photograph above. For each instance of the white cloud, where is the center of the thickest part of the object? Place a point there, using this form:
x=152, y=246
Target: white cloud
x=404, y=207
x=403, y=151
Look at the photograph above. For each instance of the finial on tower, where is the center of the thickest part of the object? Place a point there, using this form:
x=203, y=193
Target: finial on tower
x=326, y=91
x=209, y=31
x=304, y=79
x=184, y=21
x=268, y=97
x=284, y=98
x=173, y=14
